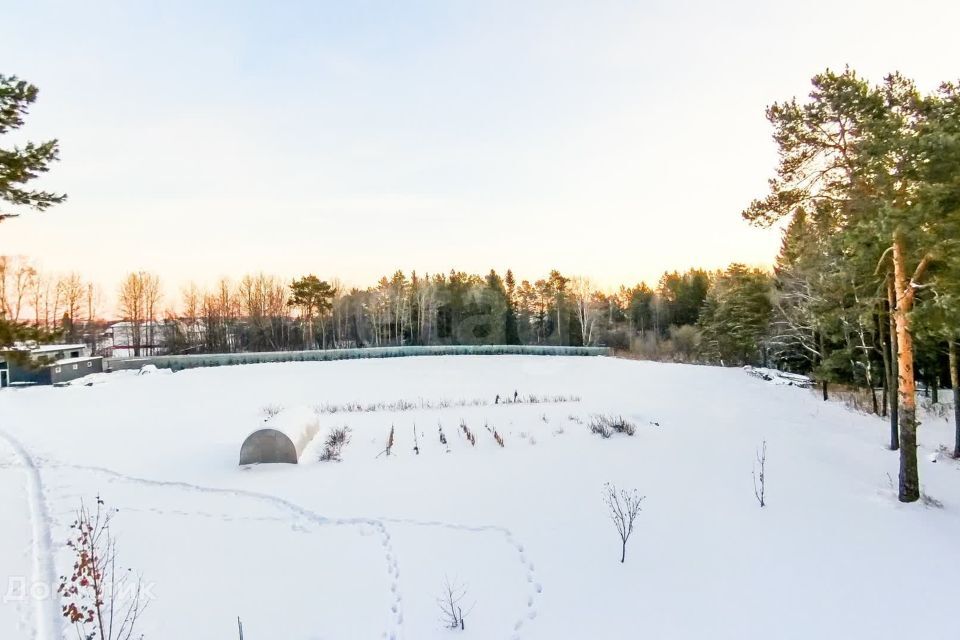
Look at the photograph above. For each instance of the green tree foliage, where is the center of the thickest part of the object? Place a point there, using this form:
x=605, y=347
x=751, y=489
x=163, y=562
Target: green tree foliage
x=313, y=297
x=736, y=316
x=511, y=328
x=18, y=166
x=21, y=164
x=873, y=172
x=682, y=296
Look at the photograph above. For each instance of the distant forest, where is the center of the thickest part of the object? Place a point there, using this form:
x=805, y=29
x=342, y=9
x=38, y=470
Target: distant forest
x=735, y=316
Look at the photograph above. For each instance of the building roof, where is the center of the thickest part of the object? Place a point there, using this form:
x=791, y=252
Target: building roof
x=50, y=348
x=146, y=323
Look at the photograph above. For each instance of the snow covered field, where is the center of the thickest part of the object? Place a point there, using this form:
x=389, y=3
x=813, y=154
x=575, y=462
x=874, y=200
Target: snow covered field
x=360, y=548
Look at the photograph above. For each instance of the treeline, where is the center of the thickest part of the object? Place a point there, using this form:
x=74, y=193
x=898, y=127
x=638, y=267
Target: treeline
x=46, y=306
x=261, y=312
x=736, y=316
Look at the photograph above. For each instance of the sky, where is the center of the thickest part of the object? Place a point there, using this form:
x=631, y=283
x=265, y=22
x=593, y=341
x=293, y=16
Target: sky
x=612, y=140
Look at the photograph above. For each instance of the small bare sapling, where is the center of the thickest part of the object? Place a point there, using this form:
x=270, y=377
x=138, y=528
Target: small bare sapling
x=760, y=475
x=472, y=439
x=334, y=444
x=389, y=448
x=451, y=612
x=493, y=431
x=101, y=600
x=624, y=506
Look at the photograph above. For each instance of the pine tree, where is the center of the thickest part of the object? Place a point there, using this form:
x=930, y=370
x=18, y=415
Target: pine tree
x=512, y=330
x=314, y=299
x=20, y=165
x=736, y=316
x=876, y=167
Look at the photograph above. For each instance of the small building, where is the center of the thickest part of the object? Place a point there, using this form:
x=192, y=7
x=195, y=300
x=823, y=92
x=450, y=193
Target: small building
x=25, y=365
x=132, y=340
x=52, y=352
x=72, y=368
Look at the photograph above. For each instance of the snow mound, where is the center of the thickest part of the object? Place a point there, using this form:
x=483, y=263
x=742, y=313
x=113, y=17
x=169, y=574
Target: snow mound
x=775, y=376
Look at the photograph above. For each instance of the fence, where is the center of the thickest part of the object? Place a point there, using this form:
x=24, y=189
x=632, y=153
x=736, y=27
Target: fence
x=225, y=359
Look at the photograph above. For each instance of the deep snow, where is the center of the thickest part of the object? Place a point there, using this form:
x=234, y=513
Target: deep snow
x=360, y=548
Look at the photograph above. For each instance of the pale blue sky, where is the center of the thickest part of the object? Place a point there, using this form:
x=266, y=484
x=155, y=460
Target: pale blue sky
x=608, y=139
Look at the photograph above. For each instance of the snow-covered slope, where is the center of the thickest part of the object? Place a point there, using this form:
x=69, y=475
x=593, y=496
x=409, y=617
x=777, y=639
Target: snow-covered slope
x=360, y=548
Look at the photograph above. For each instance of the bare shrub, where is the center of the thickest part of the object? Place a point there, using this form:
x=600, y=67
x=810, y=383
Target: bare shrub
x=102, y=601
x=929, y=501
x=606, y=425
x=493, y=431
x=270, y=410
x=601, y=429
x=443, y=403
x=333, y=446
x=941, y=410
x=685, y=341
x=760, y=474
x=472, y=439
x=389, y=448
x=451, y=613
x=858, y=399
x=624, y=506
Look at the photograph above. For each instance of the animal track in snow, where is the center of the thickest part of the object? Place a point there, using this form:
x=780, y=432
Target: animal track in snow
x=376, y=524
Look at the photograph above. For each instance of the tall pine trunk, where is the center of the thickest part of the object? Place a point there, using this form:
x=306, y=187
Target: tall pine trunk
x=909, y=475
x=955, y=385
x=884, y=338
x=894, y=385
